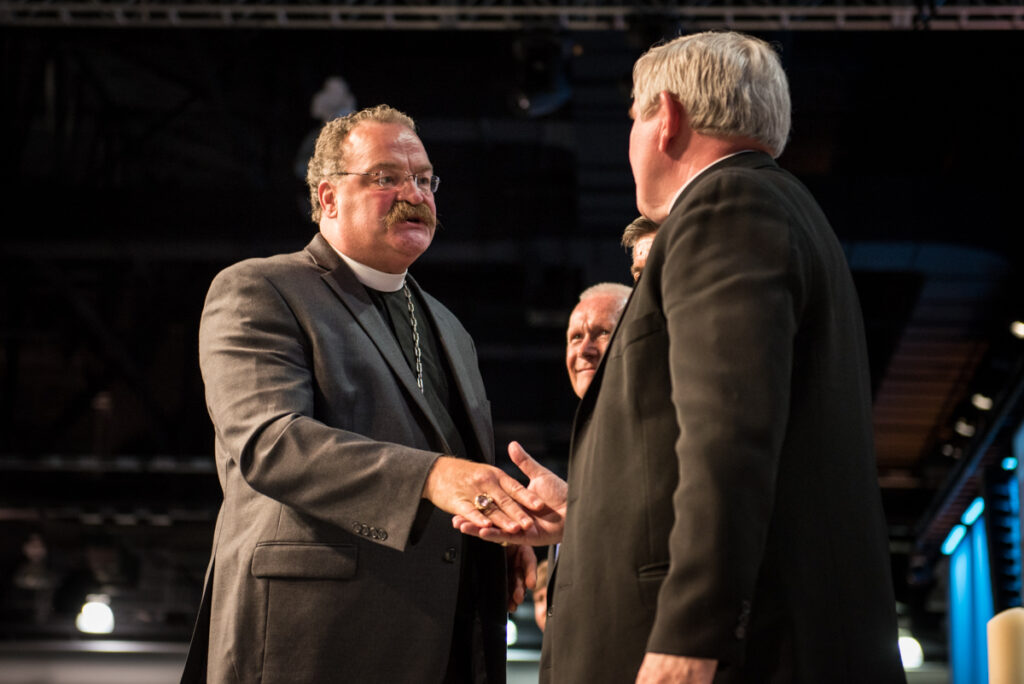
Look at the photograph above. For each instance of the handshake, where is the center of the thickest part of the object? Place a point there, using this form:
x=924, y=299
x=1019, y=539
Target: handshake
x=489, y=504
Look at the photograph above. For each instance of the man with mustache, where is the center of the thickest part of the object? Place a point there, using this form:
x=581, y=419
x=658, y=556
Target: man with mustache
x=350, y=417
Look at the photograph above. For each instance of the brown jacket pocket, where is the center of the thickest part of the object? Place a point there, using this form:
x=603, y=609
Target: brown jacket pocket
x=303, y=560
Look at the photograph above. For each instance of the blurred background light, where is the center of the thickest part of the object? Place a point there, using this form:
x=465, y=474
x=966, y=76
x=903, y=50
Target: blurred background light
x=511, y=633
x=973, y=511
x=911, y=653
x=953, y=538
x=96, y=616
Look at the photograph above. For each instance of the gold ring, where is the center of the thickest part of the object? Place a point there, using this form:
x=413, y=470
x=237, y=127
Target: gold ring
x=482, y=502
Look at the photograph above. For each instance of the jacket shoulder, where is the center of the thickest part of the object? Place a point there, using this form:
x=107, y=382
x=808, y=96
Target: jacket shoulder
x=274, y=268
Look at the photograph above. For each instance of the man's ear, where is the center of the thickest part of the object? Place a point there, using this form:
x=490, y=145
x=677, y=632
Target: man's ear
x=673, y=117
x=328, y=199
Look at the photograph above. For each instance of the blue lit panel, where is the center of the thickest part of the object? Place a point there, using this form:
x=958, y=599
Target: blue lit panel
x=1018, y=443
x=1002, y=516
x=970, y=606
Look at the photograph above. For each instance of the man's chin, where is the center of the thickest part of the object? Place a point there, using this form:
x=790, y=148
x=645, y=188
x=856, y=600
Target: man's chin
x=583, y=378
x=412, y=241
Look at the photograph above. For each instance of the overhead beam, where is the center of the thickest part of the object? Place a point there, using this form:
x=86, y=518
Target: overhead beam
x=464, y=15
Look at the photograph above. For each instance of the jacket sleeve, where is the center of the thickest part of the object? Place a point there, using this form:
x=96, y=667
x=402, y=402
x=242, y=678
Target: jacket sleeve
x=258, y=365
x=728, y=289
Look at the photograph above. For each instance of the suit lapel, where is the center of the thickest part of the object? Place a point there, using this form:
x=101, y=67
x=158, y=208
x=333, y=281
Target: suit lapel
x=461, y=374
x=353, y=295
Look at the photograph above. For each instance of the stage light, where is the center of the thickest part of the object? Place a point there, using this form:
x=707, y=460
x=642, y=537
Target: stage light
x=542, y=83
x=964, y=428
x=973, y=511
x=1009, y=463
x=96, y=616
x=911, y=653
x=1017, y=328
x=511, y=633
x=982, y=402
x=953, y=539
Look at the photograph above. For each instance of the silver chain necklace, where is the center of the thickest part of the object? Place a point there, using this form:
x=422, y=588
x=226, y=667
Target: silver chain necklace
x=415, y=338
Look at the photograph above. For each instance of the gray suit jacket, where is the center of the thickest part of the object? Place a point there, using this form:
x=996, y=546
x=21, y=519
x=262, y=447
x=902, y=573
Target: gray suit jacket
x=327, y=565
x=723, y=498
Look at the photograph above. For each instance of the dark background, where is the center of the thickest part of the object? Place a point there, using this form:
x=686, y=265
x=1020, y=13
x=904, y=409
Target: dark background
x=136, y=163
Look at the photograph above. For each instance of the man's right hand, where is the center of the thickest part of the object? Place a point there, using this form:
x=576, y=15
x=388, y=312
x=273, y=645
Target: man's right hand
x=454, y=484
x=548, y=521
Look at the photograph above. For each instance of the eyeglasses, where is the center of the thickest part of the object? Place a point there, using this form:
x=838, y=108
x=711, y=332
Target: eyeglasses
x=388, y=180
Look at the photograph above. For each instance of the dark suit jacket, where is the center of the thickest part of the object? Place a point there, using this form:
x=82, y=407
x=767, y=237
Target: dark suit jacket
x=723, y=498
x=327, y=566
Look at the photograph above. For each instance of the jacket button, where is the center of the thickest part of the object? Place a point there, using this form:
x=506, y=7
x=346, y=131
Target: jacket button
x=449, y=555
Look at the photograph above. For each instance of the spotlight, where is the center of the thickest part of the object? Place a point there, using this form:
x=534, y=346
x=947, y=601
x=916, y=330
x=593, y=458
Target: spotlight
x=973, y=512
x=982, y=402
x=511, y=633
x=1009, y=463
x=953, y=539
x=1017, y=328
x=964, y=428
x=96, y=616
x=542, y=81
x=911, y=653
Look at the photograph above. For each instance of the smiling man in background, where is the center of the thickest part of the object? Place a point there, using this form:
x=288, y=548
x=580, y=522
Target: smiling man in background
x=590, y=327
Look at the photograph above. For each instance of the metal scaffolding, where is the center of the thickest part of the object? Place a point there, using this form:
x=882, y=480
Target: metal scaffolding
x=496, y=15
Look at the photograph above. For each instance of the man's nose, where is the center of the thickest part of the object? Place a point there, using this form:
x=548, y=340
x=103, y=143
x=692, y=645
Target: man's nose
x=410, y=191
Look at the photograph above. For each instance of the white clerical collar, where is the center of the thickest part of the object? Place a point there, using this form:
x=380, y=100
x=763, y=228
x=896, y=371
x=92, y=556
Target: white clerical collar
x=372, y=278
x=691, y=178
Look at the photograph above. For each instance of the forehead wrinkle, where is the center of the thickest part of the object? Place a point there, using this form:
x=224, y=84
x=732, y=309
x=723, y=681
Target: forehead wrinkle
x=388, y=153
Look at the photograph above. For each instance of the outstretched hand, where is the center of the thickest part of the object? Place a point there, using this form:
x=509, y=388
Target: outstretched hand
x=453, y=485
x=548, y=520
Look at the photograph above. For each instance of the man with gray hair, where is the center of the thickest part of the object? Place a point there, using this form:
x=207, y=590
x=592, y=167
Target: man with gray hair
x=590, y=327
x=722, y=521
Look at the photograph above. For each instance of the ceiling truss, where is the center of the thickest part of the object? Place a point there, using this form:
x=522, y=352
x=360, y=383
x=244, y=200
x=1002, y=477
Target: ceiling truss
x=577, y=15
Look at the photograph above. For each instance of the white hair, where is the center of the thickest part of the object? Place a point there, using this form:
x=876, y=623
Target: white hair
x=613, y=289
x=618, y=290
